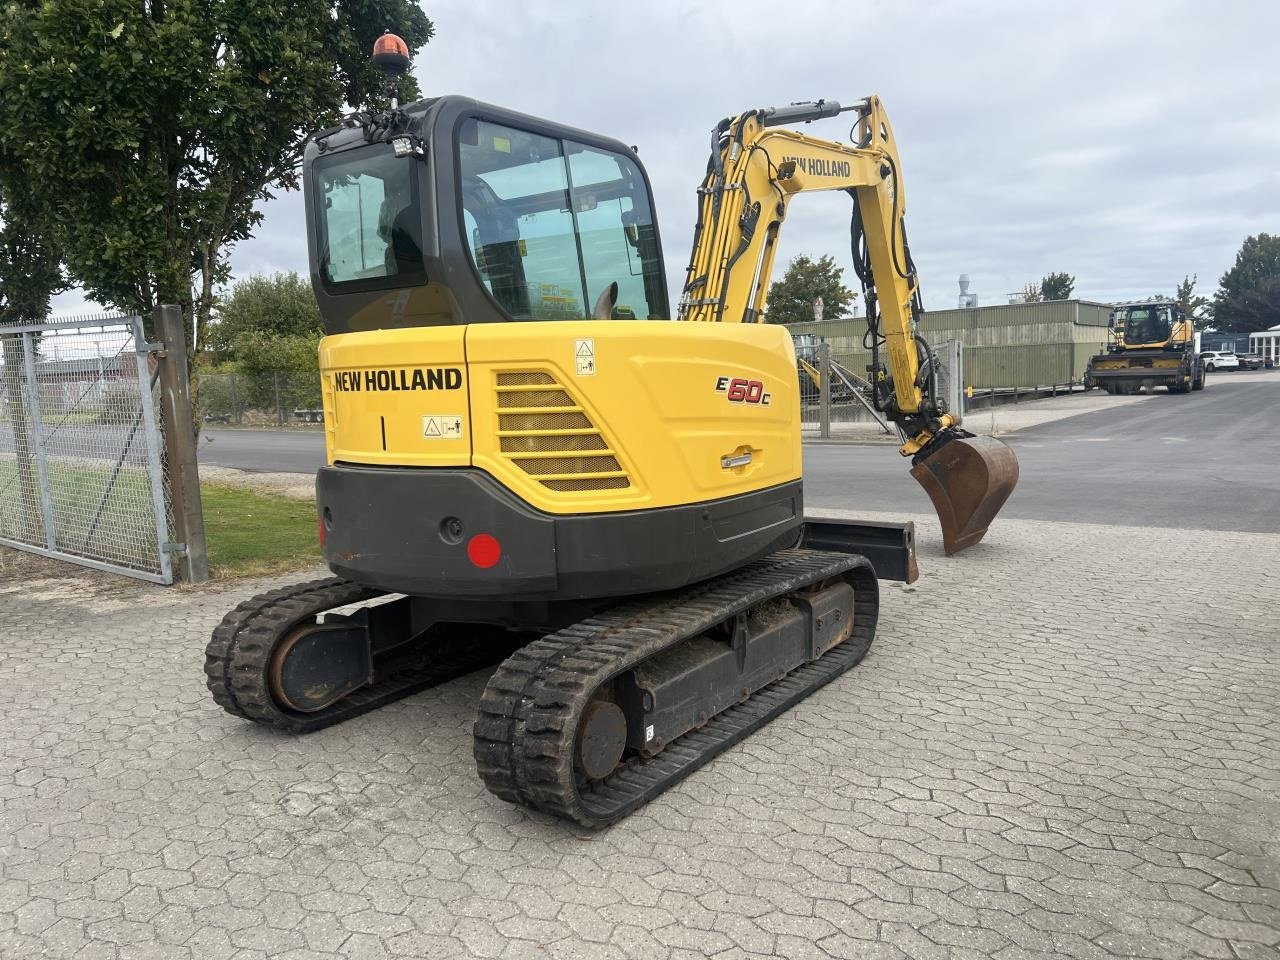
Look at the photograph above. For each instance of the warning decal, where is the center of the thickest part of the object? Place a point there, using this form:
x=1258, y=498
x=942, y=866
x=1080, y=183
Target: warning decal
x=584, y=353
x=442, y=426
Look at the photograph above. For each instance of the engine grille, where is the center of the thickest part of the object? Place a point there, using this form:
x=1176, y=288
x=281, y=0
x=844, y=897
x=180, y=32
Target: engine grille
x=544, y=431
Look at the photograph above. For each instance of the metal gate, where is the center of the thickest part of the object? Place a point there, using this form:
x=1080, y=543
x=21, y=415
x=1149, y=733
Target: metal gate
x=836, y=401
x=81, y=462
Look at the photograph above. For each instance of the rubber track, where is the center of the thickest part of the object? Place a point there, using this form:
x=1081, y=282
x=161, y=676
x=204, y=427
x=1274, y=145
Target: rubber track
x=238, y=654
x=528, y=719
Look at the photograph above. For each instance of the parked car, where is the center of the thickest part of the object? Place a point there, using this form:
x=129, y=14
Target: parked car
x=1220, y=360
x=1249, y=361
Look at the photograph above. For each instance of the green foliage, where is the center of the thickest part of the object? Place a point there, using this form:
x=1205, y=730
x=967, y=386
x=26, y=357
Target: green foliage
x=1199, y=309
x=288, y=365
x=261, y=353
x=1031, y=293
x=30, y=270
x=278, y=305
x=1057, y=286
x=1248, y=296
x=30, y=274
x=148, y=132
x=791, y=298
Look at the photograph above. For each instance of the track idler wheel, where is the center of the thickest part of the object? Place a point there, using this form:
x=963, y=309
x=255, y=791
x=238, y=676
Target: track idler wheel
x=316, y=665
x=968, y=479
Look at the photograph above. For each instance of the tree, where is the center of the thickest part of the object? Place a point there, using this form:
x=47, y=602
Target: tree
x=1197, y=308
x=150, y=131
x=1248, y=296
x=30, y=274
x=1031, y=293
x=791, y=298
x=275, y=367
x=30, y=270
x=278, y=305
x=1057, y=286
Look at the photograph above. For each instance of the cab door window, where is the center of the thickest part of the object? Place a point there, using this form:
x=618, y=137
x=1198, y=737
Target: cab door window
x=551, y=224
x=615, y=225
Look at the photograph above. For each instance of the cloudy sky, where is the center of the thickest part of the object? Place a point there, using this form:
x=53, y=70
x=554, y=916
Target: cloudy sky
x=1127, y=143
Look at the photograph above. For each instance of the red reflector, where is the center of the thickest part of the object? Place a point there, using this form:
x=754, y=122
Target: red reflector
x=484, y=551
x=321, y=533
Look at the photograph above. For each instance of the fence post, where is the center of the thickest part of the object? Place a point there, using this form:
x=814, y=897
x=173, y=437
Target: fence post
x=180, y=444
x=275, y=379
x=235, y=399
x=824, y=390
x=37, y=434
x=145, y=418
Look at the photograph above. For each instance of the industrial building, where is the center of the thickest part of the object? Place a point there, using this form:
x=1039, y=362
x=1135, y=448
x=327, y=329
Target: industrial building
x=1019, y=345
x=1232, y=342
x=1266, y=344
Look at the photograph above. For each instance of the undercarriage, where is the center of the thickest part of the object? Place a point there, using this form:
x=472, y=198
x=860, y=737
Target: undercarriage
x=594, y=707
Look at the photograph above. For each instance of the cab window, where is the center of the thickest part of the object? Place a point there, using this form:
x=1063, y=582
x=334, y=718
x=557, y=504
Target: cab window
x=369, y=227
x=551, y=224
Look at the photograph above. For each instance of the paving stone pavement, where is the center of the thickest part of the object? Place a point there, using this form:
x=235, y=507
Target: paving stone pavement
x=1064, y=742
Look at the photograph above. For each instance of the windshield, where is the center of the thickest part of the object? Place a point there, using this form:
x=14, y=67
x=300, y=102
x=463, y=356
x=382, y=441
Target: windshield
x=551, y=224
x=369, y=227
x=1147, y=324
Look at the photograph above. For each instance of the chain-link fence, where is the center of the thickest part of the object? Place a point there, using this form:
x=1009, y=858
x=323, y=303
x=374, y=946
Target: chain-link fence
x=81, y=455
x=271, y=399
x=836, y=397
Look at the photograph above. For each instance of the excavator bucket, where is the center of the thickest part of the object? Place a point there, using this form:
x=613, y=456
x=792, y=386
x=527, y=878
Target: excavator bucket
x=968, y=479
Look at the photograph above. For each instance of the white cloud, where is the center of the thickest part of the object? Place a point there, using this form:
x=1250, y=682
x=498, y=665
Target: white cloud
x=1125, y=143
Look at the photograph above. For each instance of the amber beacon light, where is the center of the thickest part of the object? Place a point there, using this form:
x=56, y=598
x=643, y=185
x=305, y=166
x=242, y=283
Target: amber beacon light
x=391, y=53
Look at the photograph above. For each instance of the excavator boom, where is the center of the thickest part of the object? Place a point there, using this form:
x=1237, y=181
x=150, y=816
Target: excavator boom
x=754, y=172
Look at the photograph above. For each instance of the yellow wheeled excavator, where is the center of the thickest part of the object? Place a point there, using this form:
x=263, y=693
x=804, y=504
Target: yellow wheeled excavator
x=530, y=462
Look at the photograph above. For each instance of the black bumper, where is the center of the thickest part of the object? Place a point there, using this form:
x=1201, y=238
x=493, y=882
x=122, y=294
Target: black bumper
x=1172, y=374
x=406, y=530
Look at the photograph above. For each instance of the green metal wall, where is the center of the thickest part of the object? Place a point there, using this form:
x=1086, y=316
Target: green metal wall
x=1014, y=345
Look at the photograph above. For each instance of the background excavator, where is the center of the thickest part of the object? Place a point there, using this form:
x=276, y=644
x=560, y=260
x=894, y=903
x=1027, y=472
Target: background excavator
x=518, y=468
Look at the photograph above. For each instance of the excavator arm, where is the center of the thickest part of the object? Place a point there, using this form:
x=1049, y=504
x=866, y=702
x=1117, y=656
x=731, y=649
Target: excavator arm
x=754, y=172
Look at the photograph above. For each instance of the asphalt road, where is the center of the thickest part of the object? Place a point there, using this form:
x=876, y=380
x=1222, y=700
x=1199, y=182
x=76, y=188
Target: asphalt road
x=1206, y=460
x=263, y=451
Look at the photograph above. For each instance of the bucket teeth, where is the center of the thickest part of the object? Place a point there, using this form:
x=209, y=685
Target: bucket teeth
x=968, y=479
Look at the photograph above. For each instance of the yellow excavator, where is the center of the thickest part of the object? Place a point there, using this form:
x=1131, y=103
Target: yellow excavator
x=530, y=462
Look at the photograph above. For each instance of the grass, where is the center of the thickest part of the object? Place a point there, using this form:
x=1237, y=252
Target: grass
x=250, y=534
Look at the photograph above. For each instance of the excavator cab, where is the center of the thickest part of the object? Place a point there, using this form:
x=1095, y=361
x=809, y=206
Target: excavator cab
x=455, y=212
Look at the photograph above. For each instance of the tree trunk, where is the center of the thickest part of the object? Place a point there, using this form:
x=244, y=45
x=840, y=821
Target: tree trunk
x=32, y=529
